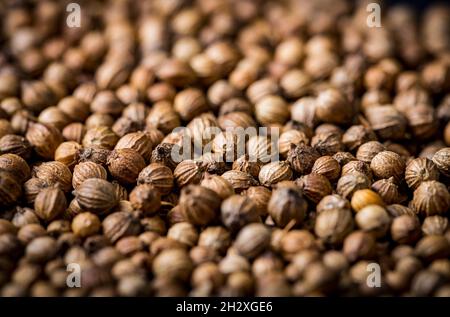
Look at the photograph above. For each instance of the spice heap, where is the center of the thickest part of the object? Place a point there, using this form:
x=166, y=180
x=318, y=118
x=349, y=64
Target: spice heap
x=357, y=202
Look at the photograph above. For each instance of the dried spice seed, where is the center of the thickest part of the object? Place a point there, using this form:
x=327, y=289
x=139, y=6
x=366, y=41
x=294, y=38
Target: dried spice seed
x=431, y=198
x=333, y=225
x=120, y=224
x=137, y=141
x=159, y=176
x=252, y=240
x=16, y=165
x=44, y=138
x=66, y=153
x=373, y=219
x=442, y=160
x=333, y=201
x=364, y=197
x=239, y=180
x=350, y=183
x=129, y=148
x=302, y=158
x=199, y=205
x=188, y=172
x=328, y=167
x=419, y=170
x=145, y=198
x=54, y=174
x=125, y=165
x=237, y=211
x=86, y=170
x=367, y=151
x=218, y=184
x=100, y=137
x=15, y=144
x=50, y=203
x=386, y=164
x=274, y=172
x=96, y=195
x=10, y=188
x=287, y=204
x=314, y=186
x=405, y=229
x=86, y=224
x=388, y=190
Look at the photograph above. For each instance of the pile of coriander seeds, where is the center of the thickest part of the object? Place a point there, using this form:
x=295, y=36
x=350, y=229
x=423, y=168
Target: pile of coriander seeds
x=348, y=196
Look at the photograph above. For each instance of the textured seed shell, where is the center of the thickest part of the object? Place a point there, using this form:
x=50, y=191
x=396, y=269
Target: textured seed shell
x=16, y=165
x=237, y=211
x=315, y=186
x=66, y=153
x=96, y=195
x=442, y=160
x=373, y=219
x=260, y=148
x=54, y=173
x=199, y=204
x=252, y=240
x=386, y=121
x=275, y=172
x=218, y=184
x=10, y=188
x=33, y=186
x=189, y=103
x=290, y=137
x=44, y=138
x=367, y=151
x=431, y=198
x=419, y=170
x=173, y=264
x=159, y=176
x=236, y=119
x=388, y=164
x=86, y=170
x=188, y=172
x=327, y=166
x=405, y=229
x=176, y=72
x=332, y=107
x=302, y=158
x=271, y=109
x=145, y=198
x=260, y=196
x=163, y=117
x=50, y=203
x=239, y=180
x=137, y=141
x=327, y=143
x=120, y=224
x=357, y=167
x=111, y=75
x=125, y=165
x=16, y=144
x=364, y=197
x=91, y=154
x=100, y=137
x=350, y=183
x=433, y=247
x=244, y=164
x=435, y=225
x=200, y=127
x=287, y=204
x=388, y=191
x=333, y=201
x=333, y=225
